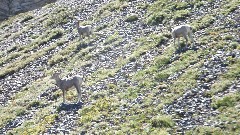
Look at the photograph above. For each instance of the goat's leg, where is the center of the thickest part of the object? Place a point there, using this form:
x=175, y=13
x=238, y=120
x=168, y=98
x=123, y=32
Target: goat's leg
x=185, y=36
x=191, y=36
x=63, y=95
x=79, y=95
x=174, y=41
x=78, y=87
x=179, y=43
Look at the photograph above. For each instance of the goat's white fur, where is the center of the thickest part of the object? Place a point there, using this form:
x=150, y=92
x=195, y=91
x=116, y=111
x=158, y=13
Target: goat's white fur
x=182, y=31
x=83, y=30
x=65, y=84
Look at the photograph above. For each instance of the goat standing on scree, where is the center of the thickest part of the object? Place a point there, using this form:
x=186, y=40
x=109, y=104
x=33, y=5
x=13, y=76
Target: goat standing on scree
x=83, y=30
x=182, y=31
x=65, y=84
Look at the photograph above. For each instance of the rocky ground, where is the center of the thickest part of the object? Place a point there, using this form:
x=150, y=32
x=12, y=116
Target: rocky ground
x=191, y=109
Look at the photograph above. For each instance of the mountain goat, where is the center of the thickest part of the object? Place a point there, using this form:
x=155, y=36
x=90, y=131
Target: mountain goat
x=65, y=84
x=83, y=30
x=182, y=31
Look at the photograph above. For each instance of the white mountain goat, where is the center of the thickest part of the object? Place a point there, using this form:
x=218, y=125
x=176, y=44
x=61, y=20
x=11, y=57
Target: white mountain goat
x=83, y=30
x=65, y=84
x=182, y=31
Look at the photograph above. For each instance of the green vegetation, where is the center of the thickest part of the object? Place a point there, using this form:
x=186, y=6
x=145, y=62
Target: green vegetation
x=61, y=16
x=162, y=121
x=30, y=127
x=113, y=6
x=101, y=107
x=204, y=130
x=227, y=101
x=27, y=57
x=228, y=117
x=27, y=18
x=230, y=6
x=226, y=79
x=134, y=103
x=163, y=11
x=203, y=22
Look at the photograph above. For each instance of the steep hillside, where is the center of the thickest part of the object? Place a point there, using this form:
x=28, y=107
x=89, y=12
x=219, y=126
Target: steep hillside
x=135, y=80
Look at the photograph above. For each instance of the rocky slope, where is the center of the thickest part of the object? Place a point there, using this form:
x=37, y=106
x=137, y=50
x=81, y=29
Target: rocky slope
x=135, y=80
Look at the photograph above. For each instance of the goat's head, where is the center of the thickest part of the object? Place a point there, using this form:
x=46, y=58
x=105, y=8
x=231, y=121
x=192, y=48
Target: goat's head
x=78, y=22
x=55, y=75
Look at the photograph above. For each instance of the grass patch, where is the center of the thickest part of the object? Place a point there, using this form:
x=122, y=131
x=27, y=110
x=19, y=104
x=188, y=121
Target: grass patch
x=114, y=37
x=100, y=75
x=26, y=59
x=60, y=16
x=181, y=14
x=63, y=54
x=162, y=11
x=204, y=130
x=226, y=79
x=35, y=104
x=23, y=51
x=99, y=28
x=31, y=127
x=227, y=101
x=203, y=22
x=230, y=6
x=93, y=112
x=162, y=121
x=27, y=18
x=228, y=119
x=113, y=6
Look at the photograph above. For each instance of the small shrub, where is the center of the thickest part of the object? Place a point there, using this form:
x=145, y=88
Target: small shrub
x=61, y=16
x=101, y=27
x=159, y=62
x=230, y=7
x=112, y=38
x=228, y=37
x=27, y=18
x=103, y=104
x=181, y=14
x=112, y=86
x=132, y=18
x=20, y=112
x=162, y=76
x=204, y=130
x=156, y=18
x=49, y=119
x=88, y=114
x=162, y=121
x=34, y=104
x=113, y=6
x=204, y=22
x=181, y=6
x=235, y=45
x=14, y=48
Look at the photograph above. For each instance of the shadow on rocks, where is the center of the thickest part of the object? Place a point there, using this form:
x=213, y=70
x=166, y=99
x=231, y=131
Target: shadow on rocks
x=184, y=49
x=70, y=107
